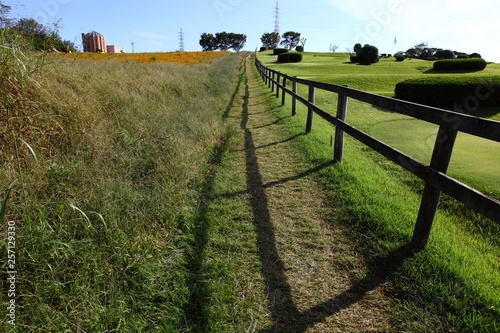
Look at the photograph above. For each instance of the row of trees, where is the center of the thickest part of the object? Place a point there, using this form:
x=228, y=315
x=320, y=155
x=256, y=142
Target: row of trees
x=289, y=40
x=222, y=41
x=423, y=51
x=40, y=37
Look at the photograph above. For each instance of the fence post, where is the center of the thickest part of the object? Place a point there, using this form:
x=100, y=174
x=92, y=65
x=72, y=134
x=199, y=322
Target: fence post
x=268, y=77
x=310, y=112
x=283, y=92
x=272, y=81
x=278, y=78
x=339, y=134
x=294, y=100
x=440, y=161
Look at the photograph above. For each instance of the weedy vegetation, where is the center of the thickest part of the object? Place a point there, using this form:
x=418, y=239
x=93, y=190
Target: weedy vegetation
x=111, y=159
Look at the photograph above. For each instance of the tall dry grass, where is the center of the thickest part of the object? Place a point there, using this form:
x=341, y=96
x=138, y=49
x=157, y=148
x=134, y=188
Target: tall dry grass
x=111, y=158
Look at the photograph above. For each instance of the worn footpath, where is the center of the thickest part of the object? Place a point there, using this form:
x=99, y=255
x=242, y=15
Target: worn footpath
x=292, y=268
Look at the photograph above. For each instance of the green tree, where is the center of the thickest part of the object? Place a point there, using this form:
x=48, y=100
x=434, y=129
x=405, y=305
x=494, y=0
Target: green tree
x=270, y=40
x=5, y=21
x=237, y=41
x=223, y=41
x=207, y=42
x=290, y=39
x=40, y=37
x=445, y=54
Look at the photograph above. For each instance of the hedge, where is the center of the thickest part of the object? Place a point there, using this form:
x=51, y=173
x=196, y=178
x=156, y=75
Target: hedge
x=460, y=64
x=279, y=51
x=468, y=92
x=290, y=57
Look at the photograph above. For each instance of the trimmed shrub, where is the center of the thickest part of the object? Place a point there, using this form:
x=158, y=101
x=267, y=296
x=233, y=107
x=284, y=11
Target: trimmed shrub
x=354, y=58
x=290, y=57
x=263, y=48
x=445, y=54
x=279, y=51
x=449, y=91
x=400, y=58
x=299, y=48
x=460, y=64
x=368, y=55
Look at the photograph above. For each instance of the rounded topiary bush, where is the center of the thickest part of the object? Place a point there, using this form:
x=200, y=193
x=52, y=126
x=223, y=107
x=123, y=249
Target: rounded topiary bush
x=290, y=57
x=279, y=51
x=368, y=55
x=449, y=92
x=460, y=64
x=299, y=48
x=262, y=49
x=400, y=58
x=354, y=58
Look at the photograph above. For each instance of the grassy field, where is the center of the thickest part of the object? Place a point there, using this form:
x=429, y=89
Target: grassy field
x=111, y=160
x=122, y=216
x=453, y=285
x=411, y=136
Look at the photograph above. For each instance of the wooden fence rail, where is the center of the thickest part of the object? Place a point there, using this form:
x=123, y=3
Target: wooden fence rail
x=434, y=175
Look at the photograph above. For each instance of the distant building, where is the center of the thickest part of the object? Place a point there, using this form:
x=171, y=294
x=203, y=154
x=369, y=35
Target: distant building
x=115, y=49
x=94, y=42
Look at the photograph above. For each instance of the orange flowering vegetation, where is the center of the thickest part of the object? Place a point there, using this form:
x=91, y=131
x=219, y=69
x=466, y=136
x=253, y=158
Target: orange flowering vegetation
x=186, y=58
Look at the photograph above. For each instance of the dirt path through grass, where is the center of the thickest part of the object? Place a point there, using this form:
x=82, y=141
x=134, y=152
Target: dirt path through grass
x=313, y=279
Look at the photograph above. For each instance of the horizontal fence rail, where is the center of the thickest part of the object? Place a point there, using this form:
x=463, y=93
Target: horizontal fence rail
x=434, y=175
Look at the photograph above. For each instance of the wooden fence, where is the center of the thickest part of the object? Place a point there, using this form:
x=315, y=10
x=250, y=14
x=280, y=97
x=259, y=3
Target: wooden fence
x=434, y=175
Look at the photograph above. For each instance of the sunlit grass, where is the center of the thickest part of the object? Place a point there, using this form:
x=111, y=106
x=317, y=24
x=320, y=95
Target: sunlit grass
x=452, y=285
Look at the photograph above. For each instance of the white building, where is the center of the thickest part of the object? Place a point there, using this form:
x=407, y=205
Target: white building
x=115, y=49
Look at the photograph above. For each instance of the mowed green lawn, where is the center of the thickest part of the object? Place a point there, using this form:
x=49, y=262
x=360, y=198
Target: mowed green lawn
x=475, y=160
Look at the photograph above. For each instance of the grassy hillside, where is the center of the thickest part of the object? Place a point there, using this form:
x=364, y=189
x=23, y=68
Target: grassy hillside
x=111, y=159
x=379, y=78
x=411, y=136
x=453, y=285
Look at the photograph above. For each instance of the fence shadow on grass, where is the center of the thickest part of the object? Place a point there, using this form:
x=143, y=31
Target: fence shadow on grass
x=284, y=311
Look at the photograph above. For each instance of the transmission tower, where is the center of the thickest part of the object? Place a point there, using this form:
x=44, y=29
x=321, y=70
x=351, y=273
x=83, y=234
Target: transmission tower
x=277, y=19
x=181, y=41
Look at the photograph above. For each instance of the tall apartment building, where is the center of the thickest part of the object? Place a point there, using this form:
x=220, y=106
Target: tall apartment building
x=93, y=42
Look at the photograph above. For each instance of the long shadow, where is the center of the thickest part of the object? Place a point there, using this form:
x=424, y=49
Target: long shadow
x=280, y=181
x=272, y=123
x=196, y=309
x=236, y=90
x=273, y=143
x=278, y=289
x=286, y=316
x=381, y=271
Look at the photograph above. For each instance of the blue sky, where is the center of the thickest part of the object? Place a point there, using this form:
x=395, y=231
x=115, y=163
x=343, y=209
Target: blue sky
x=154, y=25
